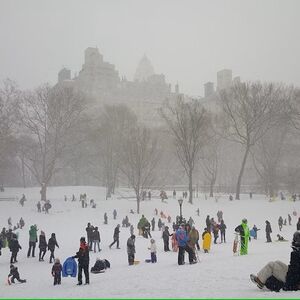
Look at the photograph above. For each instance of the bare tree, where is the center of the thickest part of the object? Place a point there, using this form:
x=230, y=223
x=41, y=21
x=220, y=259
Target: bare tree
x=210, y=156
x=188, y=123
x=110, y=130
x=9, y=97
x=249, y=112
x=139, y=158
x=47, y=115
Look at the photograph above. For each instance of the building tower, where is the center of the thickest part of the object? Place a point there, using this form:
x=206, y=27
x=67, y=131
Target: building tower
x=208, y=89
x=144, y=70
x=224, y=79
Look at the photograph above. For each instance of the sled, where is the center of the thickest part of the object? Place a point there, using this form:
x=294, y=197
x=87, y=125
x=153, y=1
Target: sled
x=136, y=262
x=97, y=272
x=235, y=247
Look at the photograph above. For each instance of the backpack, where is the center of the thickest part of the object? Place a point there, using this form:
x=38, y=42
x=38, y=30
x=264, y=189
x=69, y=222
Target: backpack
x=274, y=284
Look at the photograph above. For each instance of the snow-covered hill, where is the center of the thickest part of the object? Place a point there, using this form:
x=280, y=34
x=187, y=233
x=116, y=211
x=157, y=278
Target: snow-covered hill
x=220, y=274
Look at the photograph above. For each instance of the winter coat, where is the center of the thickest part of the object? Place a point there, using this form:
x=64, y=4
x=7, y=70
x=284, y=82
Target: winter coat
x=206, y=237
x=96, y=236
x=193, y=236
x=116, y=233
x=181, y=237
x=100, y=265
x=14, y=246
x=42, y=243
x=83, y=255
x=56, y=269
x=33, y=234
x=14, y=272
x=153, y=248
x=222, y=226
x=298, y=225
x=166, y=234
x=293, y=275
x=89, y=231
x=69, y=267
x=52, y=243
x=130, y=246
x=208, y=224
x=268, y=228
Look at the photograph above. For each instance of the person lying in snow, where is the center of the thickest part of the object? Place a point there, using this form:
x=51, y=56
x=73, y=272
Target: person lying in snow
x=100, y=266
x=276, y=275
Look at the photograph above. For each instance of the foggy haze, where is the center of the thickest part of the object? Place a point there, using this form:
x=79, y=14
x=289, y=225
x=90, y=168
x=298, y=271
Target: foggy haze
x=188, y=41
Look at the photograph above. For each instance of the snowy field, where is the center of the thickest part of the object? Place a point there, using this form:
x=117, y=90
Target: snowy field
x=219, y=275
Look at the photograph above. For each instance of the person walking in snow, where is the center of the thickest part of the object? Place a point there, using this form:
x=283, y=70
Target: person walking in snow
x=42, y=246
x=116, y=237
x=268, y=231
x=153, y=224
x=89, y=234
x=244, y=232
x=208, y=223
x=52, y=243
x=105, y=219
x=39, y=207
x=56, y=271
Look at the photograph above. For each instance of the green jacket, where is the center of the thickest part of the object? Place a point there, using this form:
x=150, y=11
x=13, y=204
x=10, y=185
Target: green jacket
x=33, y=233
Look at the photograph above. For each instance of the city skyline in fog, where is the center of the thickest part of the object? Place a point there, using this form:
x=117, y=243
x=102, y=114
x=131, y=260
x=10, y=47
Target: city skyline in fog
x=187, y=41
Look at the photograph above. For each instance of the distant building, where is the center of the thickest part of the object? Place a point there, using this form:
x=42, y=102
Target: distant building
x=224, y=79
x=101, y=83
x=208, y=89
x=64, y=74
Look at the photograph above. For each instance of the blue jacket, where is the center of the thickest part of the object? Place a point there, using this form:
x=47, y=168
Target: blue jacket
x=69, y=267
x=181, y=237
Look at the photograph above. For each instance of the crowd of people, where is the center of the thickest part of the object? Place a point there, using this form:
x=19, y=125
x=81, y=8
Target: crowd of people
x=184, y=238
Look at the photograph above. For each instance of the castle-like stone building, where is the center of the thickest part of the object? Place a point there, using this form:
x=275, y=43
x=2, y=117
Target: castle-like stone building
x=100, y=82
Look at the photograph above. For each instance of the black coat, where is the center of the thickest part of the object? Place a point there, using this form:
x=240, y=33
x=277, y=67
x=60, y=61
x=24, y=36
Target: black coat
x=52, y=243
x=42, y=243
x=268, y=228
x=293, y=275
x=116, y=233
x=56, y=269
x=166, y=235
x=83, y=255
x=14, y=272
x=14, y=245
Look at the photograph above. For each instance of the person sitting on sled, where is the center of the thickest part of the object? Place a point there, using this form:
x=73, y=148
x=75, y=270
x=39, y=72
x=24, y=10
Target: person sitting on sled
x=276, y=275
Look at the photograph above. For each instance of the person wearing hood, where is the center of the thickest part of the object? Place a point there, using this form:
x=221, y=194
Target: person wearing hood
x=268, y=231
x=83, y=256
x=51, y=246
x=42, y=245
x=244, y=232
x=277, y=275
x=131, y=249
x=14, y=247
x=32, y=240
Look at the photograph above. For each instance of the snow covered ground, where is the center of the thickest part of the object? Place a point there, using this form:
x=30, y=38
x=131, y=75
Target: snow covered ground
x=220, y=274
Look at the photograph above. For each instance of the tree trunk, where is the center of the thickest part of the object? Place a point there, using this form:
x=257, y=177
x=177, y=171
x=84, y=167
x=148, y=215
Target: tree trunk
x=211, y=188
x=191, y=186
x=23, y=173
x=137, y=203
x=44, y=192
x=238, y=185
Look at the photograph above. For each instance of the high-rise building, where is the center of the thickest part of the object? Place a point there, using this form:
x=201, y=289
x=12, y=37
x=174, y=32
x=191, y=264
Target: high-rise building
x=224, y=79
x=208, y=89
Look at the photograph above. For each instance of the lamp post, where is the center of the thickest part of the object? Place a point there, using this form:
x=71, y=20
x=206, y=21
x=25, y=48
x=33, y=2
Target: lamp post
x=180, y=201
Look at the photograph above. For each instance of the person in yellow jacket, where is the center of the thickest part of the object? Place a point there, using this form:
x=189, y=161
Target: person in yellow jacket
x=206, y=237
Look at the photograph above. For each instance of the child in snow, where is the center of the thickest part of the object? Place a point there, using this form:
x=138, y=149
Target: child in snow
x=14, y=274
x=56, y=271
x=153, y=249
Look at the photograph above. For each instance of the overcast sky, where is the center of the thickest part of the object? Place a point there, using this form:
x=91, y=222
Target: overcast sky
x=188, y=41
